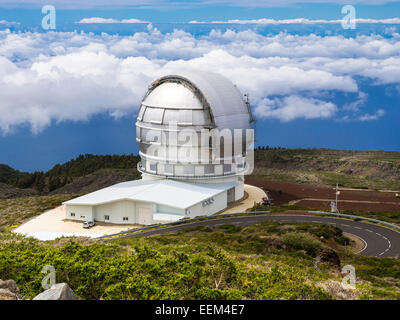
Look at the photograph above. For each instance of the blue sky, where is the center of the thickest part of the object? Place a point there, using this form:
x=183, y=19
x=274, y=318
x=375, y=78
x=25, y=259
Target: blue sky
x=77, y=89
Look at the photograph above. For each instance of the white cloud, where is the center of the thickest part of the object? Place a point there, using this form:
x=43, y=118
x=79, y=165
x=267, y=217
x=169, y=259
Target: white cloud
x=355, y=106
x=370, y=117
x=5, y=23
x=298, y=21
x=294, y=107
x=110, y=20
x=70, y=76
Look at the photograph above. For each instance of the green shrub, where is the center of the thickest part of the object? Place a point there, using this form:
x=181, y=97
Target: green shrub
x=302, y=241
x=230, y=228
x=344, y=241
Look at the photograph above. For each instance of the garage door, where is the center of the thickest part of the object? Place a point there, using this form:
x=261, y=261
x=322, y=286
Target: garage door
x=145, y=216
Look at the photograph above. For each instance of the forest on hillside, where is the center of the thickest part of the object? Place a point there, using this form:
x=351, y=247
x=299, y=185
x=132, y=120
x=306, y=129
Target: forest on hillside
x=62, y=174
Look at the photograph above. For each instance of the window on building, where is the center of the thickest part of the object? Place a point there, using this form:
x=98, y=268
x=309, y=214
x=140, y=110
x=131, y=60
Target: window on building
x=138, y=133
x=83, y=217
x=106, y=217
x=72, y=214
x=153, y=167
x=209, y=169
x=169, y=169
x=188, y=170
x=125, y=219
x=227, y=168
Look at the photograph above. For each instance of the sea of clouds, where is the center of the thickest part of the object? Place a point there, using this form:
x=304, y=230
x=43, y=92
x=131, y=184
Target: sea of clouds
x=71, y=76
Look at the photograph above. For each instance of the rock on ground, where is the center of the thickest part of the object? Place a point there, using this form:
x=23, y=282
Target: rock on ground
x=328, y=255
x=9, y=290
x=59, y=291
x=338, y=291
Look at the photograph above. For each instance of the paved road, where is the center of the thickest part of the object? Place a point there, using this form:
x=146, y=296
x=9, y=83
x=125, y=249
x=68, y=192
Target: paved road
x=380, y=241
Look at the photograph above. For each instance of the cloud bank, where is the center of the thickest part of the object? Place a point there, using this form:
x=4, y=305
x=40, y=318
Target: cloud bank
x=110, y=20
x=70, y=76
x=298, y=21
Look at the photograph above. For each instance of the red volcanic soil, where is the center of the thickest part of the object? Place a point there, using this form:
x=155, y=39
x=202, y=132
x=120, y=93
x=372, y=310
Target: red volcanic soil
x=355, y=206
x=320, y=196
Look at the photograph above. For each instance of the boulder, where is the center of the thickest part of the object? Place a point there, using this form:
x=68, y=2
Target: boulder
x=328, y=255
x=59, y=291
x=9, y=290
x=8, y=295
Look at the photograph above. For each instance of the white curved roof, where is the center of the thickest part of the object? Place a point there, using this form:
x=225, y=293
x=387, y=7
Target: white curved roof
x=172, y=95
x=166, y=192
x=227, y=106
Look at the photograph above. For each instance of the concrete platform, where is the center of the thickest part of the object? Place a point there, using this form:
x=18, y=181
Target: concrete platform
x=255, y=194
x=52, y=225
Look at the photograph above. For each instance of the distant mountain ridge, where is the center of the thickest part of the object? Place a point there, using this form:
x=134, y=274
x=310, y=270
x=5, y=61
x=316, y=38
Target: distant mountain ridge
x=87, y=173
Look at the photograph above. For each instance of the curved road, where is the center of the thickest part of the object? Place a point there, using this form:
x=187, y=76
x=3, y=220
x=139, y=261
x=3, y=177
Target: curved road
x=379, y=241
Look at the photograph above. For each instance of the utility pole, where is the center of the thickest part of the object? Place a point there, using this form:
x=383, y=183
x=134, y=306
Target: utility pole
x=337, y=194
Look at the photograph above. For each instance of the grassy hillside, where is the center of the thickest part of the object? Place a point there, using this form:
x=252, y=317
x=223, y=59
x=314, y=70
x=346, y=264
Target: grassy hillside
x=353, y=169
x=14, y=211
x=9, y=191
x=264, y=261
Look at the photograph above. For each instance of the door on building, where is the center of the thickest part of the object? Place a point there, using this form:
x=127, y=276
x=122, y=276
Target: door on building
x=145, y=216
x=231, y=195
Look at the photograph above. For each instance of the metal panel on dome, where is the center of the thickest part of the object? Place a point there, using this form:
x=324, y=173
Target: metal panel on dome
x=153, y=115
x=185, y=117
x=173, y=96
x=222, y=96
x=141, y=113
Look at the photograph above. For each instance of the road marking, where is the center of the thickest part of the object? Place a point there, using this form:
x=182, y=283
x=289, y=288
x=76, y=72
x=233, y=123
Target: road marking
x=256, y=219
x=345, y=225
x=365, y=243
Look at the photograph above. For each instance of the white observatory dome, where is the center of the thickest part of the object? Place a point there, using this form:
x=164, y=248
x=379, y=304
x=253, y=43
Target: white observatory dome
x=196, y=102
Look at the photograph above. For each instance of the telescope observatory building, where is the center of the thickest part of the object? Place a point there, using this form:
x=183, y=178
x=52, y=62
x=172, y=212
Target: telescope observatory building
x=194, y=131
